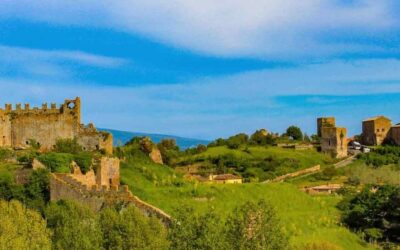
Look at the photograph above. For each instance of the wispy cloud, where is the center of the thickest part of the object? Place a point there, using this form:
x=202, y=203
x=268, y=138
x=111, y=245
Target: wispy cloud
x=51, y=63
x=278, y=29
x=213, y=107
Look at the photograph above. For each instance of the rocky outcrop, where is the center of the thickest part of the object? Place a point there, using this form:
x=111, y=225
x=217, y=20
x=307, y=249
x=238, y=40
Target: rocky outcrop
x=155, y=156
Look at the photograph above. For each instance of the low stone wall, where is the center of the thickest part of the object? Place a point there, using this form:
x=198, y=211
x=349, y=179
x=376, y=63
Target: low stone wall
x=65, y=186
x=314, y=169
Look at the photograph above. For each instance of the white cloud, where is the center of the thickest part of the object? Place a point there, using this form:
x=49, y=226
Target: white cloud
x=50, y=63
x=222, y=106
x=279, y=29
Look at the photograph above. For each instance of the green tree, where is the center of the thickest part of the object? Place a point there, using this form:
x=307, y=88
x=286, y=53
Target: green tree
x=130, y=229
x=37, y=189
x=255, y=226
x=192, y=231
x=374, y=211
x=169, y=151
x=22, y=228
x=295, y=133
x=235, y=141
x=168, y=144
x=75, y=226
x=258, y=137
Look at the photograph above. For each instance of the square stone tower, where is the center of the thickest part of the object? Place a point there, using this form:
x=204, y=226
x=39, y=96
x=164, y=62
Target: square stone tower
x=375, y=130
x=333, y=139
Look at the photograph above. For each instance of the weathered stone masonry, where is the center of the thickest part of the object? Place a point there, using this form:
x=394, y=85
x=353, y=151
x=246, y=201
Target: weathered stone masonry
x=47, y=124
x=99, y=190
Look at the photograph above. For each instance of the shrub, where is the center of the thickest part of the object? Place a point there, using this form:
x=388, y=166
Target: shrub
x=5, y=153
x=27, y=157
x=70, y=146
x=57, y=162
x=84, y=161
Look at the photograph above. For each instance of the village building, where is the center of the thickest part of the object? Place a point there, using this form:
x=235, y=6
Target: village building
x=375, y=130
x=333, y=139
x=394, y=134
x=226, y=179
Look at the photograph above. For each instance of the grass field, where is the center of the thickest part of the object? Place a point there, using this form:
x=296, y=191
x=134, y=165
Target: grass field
x=307, y=158
x=256, y=163
x=368, y=175
x=305, y=218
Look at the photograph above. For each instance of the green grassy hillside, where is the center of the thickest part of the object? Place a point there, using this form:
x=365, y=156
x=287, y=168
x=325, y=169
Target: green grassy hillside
x=306, y=218
x=255, y=163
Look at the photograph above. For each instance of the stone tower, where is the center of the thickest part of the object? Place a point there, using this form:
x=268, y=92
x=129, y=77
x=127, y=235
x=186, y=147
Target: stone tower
x=333, y=139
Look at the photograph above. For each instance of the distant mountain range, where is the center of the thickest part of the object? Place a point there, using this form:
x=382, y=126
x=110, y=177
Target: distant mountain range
x=122, y=137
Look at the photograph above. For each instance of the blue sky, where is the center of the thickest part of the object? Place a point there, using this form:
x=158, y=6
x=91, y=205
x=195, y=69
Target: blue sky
x=205, y=69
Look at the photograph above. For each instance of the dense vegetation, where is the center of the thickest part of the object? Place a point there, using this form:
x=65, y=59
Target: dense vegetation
x=375, y=211
x=251, y=226
x=308, y=222
x=382, y=156
x=208, y=216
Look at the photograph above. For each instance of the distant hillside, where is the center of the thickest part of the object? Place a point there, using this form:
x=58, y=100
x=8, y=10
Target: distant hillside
x=121, y=137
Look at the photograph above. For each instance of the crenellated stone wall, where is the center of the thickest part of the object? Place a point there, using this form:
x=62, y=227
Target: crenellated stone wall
x=46, y=125
x=99, y=190
x=67, y=187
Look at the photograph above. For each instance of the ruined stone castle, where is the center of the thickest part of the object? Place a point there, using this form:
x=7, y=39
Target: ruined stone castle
x=333, y=139
x=45, y=125
x=98, y=188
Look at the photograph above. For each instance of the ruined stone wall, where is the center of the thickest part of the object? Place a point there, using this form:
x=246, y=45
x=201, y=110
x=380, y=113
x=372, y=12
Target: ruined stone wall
x=91, y=139
x=325, y=122
x=67, y=187
x=108, y=172
x=5, y=129
x=46, y=125
x=334, y=141
x=394, y=134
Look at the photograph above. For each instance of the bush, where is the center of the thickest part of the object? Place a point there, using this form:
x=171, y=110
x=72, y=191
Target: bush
x=84, y=161
x=5, y=153
x=57, y=162
x=27, y=157
x=22, y=228
x=70, y=146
